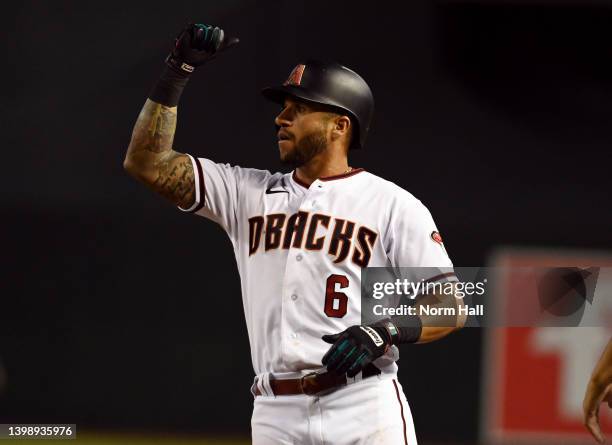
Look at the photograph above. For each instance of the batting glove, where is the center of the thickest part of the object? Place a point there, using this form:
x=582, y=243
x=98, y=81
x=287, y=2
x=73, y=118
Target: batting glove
x=195, y=45
x=355, y=348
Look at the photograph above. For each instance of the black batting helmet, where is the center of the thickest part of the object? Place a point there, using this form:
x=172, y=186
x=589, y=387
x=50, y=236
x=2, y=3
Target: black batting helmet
x=330, y=83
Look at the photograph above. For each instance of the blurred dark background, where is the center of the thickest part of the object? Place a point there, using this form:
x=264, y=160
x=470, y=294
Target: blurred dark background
x=120, y=312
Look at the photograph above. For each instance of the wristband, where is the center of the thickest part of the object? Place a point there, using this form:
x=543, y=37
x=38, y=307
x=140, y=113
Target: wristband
x=410, y=334
x=400, y=335
x=168, y=89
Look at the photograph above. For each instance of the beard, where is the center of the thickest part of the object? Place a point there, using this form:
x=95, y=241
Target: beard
x=307, y=148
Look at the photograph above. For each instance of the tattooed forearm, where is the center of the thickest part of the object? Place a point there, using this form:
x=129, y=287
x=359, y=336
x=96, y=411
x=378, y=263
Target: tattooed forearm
x=154, y=129
x=151, y=159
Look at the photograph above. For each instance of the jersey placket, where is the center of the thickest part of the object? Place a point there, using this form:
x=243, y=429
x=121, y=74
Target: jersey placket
x=297, y=286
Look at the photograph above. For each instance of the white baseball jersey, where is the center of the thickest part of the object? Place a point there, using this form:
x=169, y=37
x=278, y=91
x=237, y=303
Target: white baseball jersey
x=300, y=250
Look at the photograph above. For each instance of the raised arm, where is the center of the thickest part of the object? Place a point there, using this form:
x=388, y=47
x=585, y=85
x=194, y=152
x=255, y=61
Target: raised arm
x=150, y=157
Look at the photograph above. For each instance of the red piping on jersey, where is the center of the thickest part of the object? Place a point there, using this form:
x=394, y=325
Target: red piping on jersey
x=299, y=181
x=200, y=175
x=401, y=411
x=328, y=178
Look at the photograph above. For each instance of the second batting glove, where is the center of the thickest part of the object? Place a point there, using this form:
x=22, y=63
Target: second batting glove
x=354, y=348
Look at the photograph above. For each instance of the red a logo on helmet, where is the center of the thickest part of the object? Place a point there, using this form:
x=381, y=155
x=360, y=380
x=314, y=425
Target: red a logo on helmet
x=295, y=78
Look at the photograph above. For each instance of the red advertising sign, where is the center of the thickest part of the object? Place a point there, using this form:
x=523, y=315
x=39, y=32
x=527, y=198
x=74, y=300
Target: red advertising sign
x=535, y=377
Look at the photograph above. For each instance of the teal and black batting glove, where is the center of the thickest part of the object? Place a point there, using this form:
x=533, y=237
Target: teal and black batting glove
x=355, y=348
x=195, y=45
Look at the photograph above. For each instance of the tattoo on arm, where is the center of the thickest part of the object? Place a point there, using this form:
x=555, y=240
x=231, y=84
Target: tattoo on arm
x=152, y=159
x=175, y=180
x=154, y=129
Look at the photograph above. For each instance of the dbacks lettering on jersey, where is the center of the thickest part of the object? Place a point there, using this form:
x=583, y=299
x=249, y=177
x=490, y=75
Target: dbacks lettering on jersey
x=300, y=231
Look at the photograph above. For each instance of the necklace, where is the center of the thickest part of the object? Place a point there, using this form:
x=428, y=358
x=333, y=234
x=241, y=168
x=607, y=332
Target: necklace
x=350, y=169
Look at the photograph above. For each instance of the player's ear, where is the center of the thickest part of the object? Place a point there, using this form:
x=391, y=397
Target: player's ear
x=343, y=124
x=341, y=127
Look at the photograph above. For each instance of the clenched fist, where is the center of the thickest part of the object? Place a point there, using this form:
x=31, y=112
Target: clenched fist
x=195, y=45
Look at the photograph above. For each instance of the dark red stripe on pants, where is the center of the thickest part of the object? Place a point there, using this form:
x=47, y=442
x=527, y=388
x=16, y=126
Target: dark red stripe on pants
x=401, y=410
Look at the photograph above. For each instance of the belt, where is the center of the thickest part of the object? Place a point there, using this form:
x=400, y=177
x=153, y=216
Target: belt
x=314, y=383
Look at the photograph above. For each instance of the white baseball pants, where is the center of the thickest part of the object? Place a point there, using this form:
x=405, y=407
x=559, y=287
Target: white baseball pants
x=373, y=411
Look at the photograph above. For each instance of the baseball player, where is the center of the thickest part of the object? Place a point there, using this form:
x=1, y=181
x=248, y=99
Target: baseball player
x=301, y=240
x=599, y=390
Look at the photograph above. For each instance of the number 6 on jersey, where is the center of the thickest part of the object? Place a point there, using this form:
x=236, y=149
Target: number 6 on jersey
x=336, y=303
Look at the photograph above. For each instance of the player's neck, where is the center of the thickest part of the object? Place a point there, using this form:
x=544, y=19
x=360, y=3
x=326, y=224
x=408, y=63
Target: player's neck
x=322, y=168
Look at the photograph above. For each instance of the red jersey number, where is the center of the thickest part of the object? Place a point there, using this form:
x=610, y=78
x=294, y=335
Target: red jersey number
x=336, y=303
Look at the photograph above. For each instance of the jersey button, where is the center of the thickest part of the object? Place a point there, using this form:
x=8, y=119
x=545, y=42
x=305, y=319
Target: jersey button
x=294, y=335
x=299, y=257
x=294, y=297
